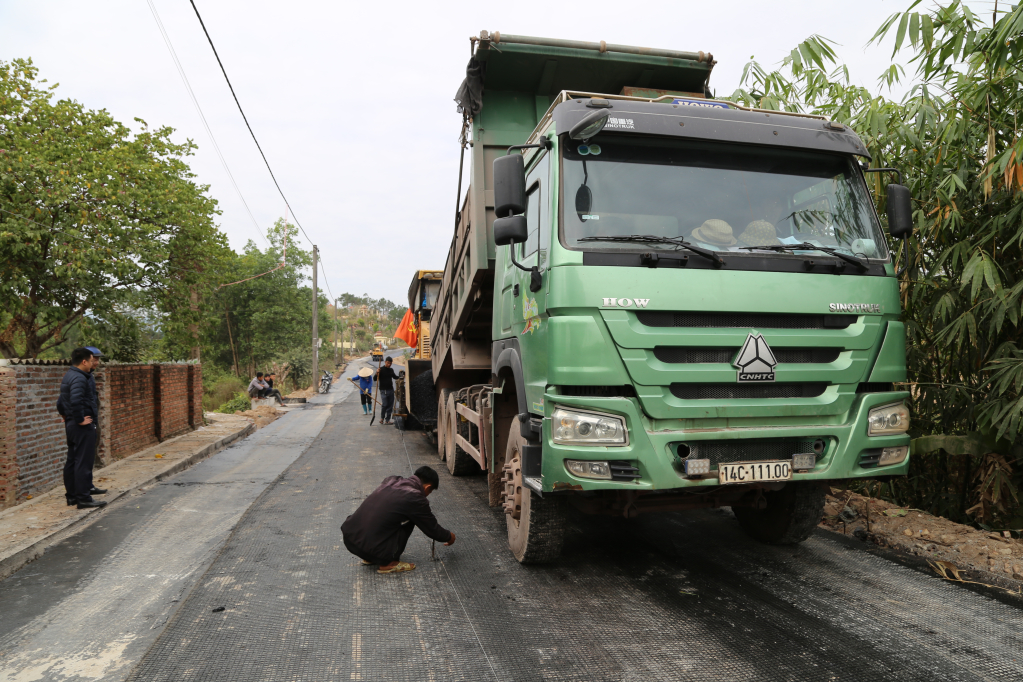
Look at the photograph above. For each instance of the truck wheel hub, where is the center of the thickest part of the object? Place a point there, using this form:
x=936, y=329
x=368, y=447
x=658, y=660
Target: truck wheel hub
x=512, y=480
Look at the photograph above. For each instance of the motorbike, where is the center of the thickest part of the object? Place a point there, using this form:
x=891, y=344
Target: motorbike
x=325, y=381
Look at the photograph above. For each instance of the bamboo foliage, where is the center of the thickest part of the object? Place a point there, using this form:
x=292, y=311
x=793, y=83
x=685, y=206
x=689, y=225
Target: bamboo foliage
x=956, y=138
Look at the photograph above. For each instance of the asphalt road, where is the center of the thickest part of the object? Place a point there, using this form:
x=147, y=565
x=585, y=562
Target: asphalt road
x=254, y=530
x=91, y=606
x=661, y=597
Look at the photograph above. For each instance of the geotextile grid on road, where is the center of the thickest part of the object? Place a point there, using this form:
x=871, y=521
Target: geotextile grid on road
x=660, y=597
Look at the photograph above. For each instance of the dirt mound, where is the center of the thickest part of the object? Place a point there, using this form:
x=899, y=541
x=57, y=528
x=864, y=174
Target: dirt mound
x=262, y=415
x=303, y=393
x=919, y=533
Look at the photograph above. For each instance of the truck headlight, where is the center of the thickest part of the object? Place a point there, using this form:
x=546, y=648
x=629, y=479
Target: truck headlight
x=585, y=469
x=587, y=428
x=888, y=420
x=891, y=456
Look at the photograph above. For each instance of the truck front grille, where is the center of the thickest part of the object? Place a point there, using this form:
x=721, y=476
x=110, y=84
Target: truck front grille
x=599, y=391
x=753, y=450
x=685, y=355
x=747, y=391
x=652, y=318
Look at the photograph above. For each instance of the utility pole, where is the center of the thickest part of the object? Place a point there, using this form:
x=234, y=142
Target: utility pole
x=335, y=335
x=316, y=331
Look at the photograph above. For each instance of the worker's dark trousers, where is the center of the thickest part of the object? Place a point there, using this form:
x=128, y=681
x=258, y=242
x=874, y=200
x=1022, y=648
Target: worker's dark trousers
x=400, y=541
x=386, y=403
x=81, y=452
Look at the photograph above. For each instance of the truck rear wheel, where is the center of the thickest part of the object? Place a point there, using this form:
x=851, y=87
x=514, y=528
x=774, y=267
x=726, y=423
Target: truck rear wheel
x=459, y=461
x=790, y=516
x=442, y=422
x=536, y=525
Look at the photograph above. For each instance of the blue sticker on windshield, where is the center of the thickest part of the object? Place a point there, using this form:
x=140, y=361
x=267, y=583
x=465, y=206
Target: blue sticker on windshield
x=584, y=149
x=698, y=103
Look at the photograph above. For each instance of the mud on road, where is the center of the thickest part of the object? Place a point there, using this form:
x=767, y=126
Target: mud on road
x=660, y=597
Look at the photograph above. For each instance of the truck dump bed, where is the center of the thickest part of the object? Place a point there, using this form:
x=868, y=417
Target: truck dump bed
x=520, y=78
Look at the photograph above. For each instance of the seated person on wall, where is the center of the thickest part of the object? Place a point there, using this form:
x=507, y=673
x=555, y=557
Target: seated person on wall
x=270, y=391
x=257, y=386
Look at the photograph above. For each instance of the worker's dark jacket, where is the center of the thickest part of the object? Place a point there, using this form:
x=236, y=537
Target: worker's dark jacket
x=380, y=526
x=78, y=397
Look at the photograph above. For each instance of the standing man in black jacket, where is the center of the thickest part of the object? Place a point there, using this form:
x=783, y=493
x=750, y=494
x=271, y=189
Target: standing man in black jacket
x=385, y=379
x=79, y=405
x=380, y=528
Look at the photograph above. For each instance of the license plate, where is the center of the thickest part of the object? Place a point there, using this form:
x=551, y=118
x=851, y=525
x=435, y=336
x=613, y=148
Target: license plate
x=754, y=472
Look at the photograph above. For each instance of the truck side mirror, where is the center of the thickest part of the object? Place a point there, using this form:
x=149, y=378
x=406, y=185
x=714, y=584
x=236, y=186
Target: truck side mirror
x=510, y=230
x=509, y=185
x=900, y=211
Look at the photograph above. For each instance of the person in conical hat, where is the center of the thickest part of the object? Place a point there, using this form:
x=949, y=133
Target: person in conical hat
x=759, y=233
x=714, y=233
x=365, y=384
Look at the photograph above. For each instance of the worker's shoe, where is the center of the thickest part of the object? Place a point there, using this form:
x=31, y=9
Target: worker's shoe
x=90, y=504
x=97, y=491
x=400, y=567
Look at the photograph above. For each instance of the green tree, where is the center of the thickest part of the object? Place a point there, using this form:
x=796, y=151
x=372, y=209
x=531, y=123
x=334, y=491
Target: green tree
x=91, y=213
x=267, y=315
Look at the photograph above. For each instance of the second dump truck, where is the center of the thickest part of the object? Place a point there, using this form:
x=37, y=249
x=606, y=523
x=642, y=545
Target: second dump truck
x=657, y=301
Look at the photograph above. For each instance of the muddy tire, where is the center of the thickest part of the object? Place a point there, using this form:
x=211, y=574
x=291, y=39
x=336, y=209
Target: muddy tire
x=790, y=516
x=442, y=422
x=536, y=525
x=460, y=462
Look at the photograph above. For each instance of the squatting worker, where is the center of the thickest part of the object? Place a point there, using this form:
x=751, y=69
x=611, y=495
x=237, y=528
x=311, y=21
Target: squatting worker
x=380, y=528
x=386, y=377
x=365, y=385
x=78, y=404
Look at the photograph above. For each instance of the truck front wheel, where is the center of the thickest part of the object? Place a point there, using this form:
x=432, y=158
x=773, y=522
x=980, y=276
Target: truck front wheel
x=536, y=525
x=790, y=516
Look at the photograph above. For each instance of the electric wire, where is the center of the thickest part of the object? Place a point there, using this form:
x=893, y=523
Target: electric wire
x=202, y=116
x=245, y=118
x=450, y=581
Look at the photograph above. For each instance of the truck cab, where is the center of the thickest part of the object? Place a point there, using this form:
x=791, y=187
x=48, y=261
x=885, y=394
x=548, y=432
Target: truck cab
x=693, y=304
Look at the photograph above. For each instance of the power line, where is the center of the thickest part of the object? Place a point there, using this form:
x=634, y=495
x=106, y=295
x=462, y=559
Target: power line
x=245, y=118
x=195, y=101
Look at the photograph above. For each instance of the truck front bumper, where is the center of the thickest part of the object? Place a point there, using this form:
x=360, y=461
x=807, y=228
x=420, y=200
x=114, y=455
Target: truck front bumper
x=652, y=449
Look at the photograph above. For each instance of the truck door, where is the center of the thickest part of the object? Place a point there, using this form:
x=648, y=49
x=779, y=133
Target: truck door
x=522, y=310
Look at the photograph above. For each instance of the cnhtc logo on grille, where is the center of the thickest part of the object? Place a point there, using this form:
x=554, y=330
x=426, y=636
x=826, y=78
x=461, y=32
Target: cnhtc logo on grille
x=755, y=361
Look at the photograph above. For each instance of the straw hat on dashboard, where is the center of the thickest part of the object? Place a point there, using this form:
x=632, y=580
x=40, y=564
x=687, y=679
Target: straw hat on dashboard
x=716, y=232
x=759, y=233
x=365, y=372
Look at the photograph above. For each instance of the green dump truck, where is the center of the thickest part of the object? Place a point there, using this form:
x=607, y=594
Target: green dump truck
x=655, y=301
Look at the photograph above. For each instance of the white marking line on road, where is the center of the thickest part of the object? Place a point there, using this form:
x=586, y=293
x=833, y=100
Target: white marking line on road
x=422, y=645
x=452, y=582
x=357, y=655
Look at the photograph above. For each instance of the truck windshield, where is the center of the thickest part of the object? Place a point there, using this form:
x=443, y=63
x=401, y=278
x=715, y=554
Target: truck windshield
x=717, y=196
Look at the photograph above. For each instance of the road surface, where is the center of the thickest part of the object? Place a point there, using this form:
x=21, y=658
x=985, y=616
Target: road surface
x=660, y=597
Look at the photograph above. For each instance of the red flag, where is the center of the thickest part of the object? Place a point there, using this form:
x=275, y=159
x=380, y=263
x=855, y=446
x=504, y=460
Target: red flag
x=407, y=330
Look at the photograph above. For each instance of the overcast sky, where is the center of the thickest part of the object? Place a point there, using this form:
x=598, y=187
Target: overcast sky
x=352, y=102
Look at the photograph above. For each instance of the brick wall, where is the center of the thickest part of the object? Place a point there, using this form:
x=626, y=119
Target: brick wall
x=131, y=417
x=140, y=405
x=173, y=401
x=8, y=439
x=41, y=442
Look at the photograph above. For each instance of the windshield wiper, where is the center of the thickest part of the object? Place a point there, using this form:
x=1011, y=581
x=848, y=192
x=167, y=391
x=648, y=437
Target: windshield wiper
x=653, y=239
x=806, y=246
